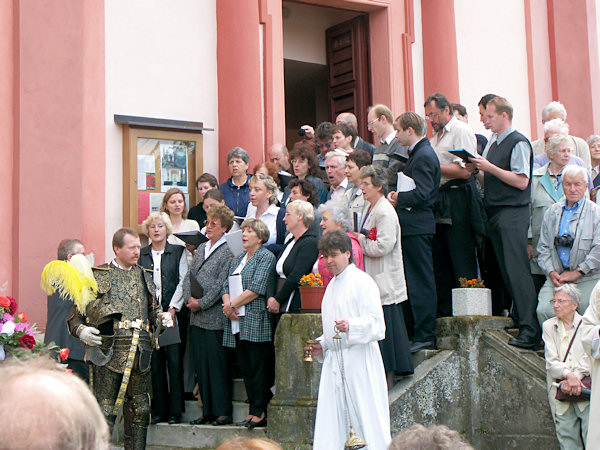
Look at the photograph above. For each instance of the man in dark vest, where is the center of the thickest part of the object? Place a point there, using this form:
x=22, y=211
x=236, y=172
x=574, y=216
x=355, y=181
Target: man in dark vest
x=505, y=173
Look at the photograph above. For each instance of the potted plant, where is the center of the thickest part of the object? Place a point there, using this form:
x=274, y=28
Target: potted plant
x=472, y=298
x=311, y=293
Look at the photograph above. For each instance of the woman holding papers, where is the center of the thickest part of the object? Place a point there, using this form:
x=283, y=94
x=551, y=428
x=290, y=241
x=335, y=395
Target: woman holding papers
x=382, y=249
x=168, y=264
x=247, y=323
x=202, y=291
x=173, y=203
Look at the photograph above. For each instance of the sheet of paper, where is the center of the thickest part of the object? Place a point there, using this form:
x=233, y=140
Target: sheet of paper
x=405, y=183
x=234, y=240
x=235, y=290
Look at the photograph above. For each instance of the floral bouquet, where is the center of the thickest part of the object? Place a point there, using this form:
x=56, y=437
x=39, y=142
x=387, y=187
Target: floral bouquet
x=311, y=280
x=17, y=336
x=473, y=283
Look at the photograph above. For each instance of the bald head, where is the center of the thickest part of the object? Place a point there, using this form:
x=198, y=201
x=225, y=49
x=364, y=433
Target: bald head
x=348, y=118
x=278, y=154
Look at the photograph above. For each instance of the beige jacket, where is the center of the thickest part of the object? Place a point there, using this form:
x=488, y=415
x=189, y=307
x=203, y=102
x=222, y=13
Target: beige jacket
x=383, y=256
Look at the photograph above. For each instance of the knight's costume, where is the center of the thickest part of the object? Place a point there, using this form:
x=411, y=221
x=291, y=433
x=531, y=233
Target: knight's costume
x=127, y=315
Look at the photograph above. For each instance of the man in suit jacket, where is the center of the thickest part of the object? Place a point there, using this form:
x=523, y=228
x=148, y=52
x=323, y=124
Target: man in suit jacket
x=415, y=212
x=56, y=319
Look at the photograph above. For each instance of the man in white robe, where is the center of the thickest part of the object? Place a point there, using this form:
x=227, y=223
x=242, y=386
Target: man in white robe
x=351, y=306
x=590, y=338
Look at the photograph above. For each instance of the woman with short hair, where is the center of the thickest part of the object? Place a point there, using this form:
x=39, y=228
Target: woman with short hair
x=546, y=190
x=335, y=216
x=353, y=196
x=567, y=363
x=210, y=359
x=262, y=203
x=248, y=330
x=269, y=169
x=296, y=259
x=236, y=189
x=305, y=165
x=169, y=265
x=383, y=261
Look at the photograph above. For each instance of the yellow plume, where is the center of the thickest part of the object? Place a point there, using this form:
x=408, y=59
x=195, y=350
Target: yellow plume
x=73, y=280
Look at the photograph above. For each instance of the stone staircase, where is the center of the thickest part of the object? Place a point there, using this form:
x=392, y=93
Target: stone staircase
x=184, y=435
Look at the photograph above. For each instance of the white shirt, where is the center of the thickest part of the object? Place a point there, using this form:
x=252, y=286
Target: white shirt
x=208, y=249
x=454, y=135
x=269, y=218
x=282, y=258
x=389, y=138
x=156, y=275
x=337, y=194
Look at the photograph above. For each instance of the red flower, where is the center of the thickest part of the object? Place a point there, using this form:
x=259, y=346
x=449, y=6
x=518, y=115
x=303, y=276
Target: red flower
x=4, y=302
x=64, y=354
x=22, y=316
x=27, y=341
x=372, y=234
x=13, y=306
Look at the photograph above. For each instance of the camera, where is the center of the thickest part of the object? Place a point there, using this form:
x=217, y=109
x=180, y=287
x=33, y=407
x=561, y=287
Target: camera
x=566, y=240
x=302, y=132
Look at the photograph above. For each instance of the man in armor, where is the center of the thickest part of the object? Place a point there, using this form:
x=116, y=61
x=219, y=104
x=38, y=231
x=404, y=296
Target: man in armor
x=119, y=330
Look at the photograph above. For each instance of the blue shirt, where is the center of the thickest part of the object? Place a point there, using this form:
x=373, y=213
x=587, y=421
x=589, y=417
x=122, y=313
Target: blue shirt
x=237, y=197
x=567, y=214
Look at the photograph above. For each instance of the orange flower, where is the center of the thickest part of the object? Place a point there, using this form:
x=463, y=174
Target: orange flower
x=69, y=371
x=22, y=316
x=4, y=302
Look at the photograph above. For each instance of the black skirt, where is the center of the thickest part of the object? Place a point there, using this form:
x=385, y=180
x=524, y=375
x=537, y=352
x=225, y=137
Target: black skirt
x=395, y=349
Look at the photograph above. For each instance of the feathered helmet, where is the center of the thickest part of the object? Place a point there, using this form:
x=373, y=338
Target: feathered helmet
x=72, y=279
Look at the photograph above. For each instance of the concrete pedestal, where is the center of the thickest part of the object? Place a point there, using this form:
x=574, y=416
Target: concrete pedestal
x=471, y=302
x=293, y=408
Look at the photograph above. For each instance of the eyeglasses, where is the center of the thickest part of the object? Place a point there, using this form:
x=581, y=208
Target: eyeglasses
x=560, y=301
x=371, y=122
x=430, y=116
x=328, y=145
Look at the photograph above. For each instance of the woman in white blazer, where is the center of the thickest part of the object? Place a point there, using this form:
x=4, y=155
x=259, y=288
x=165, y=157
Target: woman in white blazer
x=381, y=244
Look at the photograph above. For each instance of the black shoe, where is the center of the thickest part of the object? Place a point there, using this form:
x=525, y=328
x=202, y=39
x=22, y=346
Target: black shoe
x=202, y=420
x=243, y=423
x=222, y=420
x=251, y=425
x=175, y=418
x=427, y=345
x=157, y=419
x=530, y=344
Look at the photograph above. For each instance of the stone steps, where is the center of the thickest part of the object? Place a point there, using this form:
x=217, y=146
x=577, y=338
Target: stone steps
x=196, y=436
x=185, y=435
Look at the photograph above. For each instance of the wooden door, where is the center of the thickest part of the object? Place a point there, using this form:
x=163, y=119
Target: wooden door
x=348, y=61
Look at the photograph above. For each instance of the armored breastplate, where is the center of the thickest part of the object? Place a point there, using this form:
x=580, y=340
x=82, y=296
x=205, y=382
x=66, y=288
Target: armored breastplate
x=124, y=298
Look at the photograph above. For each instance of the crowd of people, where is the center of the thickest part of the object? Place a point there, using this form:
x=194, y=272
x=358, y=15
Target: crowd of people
x=417, y=216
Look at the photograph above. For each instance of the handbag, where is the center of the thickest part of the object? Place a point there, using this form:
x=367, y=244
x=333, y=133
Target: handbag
x=586, y=381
